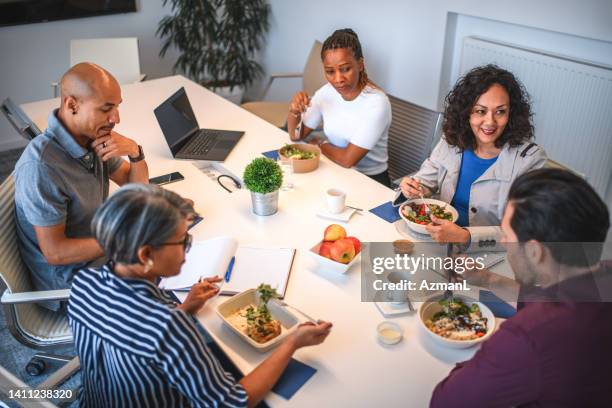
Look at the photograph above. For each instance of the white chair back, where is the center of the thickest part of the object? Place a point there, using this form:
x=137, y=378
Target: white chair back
x=119, y=56
x=314, y=78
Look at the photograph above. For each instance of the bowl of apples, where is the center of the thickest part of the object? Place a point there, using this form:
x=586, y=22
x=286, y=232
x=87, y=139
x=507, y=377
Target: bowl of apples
x=337, y=251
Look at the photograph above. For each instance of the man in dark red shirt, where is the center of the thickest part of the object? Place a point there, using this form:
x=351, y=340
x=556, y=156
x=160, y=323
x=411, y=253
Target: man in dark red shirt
x=557, y=350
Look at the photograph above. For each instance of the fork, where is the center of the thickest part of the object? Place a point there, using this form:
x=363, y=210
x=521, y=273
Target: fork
x=427, y=210
x=298, y=128
x=310, y=318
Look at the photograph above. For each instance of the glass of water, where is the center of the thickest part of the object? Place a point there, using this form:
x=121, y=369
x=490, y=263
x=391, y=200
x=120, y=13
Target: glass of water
x=287, y=169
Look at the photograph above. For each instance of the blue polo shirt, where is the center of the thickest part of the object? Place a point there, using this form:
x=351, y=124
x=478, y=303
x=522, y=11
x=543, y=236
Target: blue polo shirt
x=57, y=181
x=472, y=167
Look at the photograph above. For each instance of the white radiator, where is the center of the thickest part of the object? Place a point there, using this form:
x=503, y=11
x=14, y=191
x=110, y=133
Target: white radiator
x=571, y=101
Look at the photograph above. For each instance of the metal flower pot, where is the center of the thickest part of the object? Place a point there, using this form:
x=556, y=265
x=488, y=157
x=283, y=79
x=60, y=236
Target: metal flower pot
x=265, y=204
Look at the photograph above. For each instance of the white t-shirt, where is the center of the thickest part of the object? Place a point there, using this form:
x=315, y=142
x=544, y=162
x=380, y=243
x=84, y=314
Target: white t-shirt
x=364, y=122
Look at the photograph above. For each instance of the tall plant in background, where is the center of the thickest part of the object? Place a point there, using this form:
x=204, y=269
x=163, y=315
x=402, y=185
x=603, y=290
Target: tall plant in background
x=217, y=39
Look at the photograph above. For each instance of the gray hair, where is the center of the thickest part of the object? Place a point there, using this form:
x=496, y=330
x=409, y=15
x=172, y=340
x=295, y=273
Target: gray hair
x=137, y=215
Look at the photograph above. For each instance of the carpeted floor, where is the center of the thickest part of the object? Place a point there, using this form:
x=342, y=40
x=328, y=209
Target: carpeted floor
x=7, y=162
x=14, y=356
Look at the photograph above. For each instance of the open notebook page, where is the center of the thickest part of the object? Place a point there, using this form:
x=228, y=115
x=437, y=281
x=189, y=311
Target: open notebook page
x=205, y=259
x=255, y=265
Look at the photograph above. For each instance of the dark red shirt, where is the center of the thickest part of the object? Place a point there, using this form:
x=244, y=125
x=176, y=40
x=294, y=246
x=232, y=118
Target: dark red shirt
x=550, y=354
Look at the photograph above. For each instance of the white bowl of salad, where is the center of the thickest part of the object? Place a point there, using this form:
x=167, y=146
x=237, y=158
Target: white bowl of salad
x=415, y=214
x=457, y=321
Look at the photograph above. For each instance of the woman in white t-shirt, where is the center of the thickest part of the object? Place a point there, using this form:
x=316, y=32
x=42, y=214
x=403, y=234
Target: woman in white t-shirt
x=354, y=112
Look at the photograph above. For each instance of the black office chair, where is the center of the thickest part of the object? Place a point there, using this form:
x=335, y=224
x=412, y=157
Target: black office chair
x=20, y=121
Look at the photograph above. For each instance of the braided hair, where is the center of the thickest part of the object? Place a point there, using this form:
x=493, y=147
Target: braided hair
x=347, y=38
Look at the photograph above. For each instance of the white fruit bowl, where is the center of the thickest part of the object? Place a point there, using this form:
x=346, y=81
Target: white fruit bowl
x=329, y=264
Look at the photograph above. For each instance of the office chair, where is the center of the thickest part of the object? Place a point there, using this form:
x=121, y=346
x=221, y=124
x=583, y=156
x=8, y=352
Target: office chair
x=413, y=132
x=552, y=164
x=20, y=121
x=313, y=78
x=30, y=324
x=119, y=56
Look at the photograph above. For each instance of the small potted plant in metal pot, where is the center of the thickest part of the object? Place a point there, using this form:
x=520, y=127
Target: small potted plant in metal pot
x=263, y=177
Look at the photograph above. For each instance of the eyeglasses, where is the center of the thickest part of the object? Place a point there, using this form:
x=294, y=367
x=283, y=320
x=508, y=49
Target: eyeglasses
x=186, y=242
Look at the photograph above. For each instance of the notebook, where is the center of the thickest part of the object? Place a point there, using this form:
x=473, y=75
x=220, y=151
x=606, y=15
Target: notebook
x=252, y=266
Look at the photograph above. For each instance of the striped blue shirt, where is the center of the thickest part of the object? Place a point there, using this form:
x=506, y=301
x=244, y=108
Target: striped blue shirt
x=138, y=349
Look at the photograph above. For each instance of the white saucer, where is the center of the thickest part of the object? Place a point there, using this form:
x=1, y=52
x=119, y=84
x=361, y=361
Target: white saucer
x=344, y=216
x=389, y=309
x=407, y=232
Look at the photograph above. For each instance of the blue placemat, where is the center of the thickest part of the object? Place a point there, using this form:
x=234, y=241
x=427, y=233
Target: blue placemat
x=272, y=154
x=498, y=306
x=295, y=375
x=387, y=212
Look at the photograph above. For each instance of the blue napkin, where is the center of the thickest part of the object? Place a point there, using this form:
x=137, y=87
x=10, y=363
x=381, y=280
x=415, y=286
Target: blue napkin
x=498, y=306
x=295, y=375
x=272, y=154
x=387, y=212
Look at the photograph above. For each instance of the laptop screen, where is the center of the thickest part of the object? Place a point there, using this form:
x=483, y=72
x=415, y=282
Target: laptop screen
x=176, y=119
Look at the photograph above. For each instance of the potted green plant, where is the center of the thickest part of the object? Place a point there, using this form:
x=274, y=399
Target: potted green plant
x=263, y=177
x=217, y=41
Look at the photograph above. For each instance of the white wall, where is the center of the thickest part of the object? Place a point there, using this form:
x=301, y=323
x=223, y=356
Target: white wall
x=403, y=40
x=34, y=55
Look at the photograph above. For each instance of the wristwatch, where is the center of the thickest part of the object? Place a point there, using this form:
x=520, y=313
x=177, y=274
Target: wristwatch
x=138, y=158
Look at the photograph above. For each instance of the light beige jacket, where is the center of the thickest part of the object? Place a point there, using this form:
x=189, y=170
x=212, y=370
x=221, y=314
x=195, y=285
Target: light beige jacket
x=489, y=193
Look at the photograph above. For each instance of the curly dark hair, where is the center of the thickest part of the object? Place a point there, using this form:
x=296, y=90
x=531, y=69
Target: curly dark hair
x=459, y=103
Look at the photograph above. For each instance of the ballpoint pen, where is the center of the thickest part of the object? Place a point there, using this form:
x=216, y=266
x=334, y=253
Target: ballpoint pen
x=230, y=267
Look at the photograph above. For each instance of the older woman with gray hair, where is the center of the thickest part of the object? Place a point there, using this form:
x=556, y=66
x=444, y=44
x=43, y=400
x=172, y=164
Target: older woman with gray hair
x=136, y=344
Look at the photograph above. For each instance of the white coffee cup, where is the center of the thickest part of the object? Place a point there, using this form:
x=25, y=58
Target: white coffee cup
x=335, y=200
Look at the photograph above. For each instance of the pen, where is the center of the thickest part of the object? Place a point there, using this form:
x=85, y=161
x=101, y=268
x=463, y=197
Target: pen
x=228, y=273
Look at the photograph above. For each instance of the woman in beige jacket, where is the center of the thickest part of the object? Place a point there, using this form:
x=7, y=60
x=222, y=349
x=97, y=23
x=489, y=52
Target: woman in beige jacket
x=486, y=146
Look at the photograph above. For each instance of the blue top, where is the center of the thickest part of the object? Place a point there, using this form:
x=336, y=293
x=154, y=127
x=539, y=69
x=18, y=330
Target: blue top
x=57, y=181
x=472, y=167
x=138, y=349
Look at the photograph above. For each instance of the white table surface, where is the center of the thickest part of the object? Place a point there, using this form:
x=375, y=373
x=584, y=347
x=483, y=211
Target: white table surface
x=353, y=368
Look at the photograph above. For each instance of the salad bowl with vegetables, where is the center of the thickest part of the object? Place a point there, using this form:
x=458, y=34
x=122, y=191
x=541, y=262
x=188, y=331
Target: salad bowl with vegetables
x=257, y=319
x=417, y=213
x=304, y=157
x=456, y=321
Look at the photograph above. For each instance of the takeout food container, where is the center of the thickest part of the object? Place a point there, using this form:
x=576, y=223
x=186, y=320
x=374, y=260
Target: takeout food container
x=288, y=320
x=307, y=165
x=419, y=227
x=329, y=264
x=430, y=307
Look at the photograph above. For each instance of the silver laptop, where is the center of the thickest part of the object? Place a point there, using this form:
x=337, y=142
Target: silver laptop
x=184, y=136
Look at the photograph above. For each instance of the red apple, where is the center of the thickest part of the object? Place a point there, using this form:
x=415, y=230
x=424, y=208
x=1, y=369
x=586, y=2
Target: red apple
x=342, y=251
x=334, y=232
x=325, y=249
x=356, y=244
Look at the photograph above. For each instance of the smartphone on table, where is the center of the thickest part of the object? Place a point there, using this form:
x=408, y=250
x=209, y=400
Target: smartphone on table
x=167, y=178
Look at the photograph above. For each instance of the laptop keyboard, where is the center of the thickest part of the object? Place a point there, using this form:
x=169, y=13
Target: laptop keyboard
x=202, y=143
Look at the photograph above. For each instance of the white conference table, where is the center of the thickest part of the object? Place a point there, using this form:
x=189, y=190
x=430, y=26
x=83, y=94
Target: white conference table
x=353, y=368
